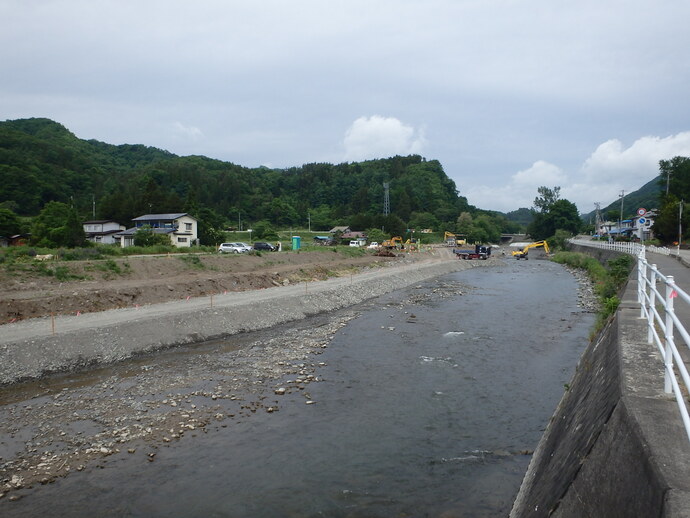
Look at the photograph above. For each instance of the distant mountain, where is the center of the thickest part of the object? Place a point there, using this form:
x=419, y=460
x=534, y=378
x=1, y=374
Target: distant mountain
x=646, y=197
x=521, y=216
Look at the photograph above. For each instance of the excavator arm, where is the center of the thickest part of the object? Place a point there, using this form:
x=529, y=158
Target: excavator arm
x=522, y=254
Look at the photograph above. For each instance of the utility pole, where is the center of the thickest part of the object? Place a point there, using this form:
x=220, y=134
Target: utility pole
x=309, y=219
x=597, y=217
x=620, y=221
x=93, y=203
x=680, y=225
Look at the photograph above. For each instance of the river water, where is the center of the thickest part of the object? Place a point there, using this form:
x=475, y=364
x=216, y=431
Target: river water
x=429, y=404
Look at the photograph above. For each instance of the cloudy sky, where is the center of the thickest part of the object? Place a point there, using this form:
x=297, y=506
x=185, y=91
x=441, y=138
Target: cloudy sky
x=508, y=95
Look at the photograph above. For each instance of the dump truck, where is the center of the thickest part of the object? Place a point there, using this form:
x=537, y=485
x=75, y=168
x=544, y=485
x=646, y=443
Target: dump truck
x=478, y=252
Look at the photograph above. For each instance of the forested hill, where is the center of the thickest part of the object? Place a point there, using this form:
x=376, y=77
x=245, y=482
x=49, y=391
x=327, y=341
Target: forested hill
x=41, y=161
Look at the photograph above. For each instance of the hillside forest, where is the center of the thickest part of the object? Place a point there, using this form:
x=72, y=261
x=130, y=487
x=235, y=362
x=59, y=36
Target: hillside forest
x=50, y=177
x=44, y=167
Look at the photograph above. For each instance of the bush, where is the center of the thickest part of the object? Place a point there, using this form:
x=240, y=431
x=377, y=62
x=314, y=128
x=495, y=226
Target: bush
x=607, y=281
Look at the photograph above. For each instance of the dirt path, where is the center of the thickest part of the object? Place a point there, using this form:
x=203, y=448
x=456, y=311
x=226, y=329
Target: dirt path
x=37, y=289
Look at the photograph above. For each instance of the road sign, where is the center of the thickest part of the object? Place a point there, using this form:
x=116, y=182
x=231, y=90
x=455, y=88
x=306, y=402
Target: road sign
x=641, y=212
x=641, y=221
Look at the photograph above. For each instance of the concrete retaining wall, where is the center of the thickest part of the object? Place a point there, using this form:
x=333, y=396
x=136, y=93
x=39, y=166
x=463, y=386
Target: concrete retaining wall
x=615, y=445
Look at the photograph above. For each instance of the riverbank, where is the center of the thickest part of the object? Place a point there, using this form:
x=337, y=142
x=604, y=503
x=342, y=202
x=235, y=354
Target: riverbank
x=30, y=349
x=145, y=415
x=50, y=429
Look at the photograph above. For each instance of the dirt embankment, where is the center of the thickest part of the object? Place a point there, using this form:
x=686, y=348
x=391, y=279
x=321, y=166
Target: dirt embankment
x=70, y=287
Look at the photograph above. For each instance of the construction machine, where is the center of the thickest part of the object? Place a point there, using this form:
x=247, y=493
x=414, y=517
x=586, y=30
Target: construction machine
x=394, y=242
x=523, y=254
x=453, y=239
x=479, y=252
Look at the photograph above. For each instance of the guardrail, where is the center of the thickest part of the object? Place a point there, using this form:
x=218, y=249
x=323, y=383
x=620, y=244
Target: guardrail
x=627, y=248
x=662, y=321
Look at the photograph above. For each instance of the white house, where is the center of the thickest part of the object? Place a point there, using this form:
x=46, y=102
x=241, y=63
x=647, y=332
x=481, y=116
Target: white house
x=639, y=227
x=180, y=227
x=102, y=231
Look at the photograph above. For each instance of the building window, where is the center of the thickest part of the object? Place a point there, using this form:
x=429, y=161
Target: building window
x=181, y=239
x=188, y=226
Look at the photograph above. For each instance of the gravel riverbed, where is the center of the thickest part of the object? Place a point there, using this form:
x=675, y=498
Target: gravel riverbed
x=59, y=424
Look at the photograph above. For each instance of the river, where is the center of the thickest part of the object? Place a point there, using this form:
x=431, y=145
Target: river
x=428, y=402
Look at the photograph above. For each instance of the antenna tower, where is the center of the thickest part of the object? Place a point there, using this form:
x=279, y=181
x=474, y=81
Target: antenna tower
x=386, y=199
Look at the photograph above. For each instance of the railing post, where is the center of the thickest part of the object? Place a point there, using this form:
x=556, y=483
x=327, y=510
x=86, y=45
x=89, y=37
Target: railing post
x=651, y=304
x=668, y=336
x=641, y=278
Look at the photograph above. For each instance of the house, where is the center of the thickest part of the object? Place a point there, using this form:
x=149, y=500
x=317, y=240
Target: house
x=180, y=227
x=640, y=227
x=342, y=230
x=102, y=231
x=349, y=236
x=18, y=239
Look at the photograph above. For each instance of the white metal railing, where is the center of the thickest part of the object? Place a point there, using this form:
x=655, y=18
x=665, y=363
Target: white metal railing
x=662, y=321
x=628, y=248
x=662, y=324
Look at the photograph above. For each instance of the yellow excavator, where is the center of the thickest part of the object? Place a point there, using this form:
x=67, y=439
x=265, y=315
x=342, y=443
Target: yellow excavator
x=453, y=239
x=394, y=242
x=522, y=254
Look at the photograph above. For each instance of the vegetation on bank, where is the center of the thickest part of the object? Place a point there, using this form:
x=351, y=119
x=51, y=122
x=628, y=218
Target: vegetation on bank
x=608, y=279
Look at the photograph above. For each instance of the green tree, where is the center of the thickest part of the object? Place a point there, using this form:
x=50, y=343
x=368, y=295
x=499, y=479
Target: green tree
x=264, y=230
x=421, y=220
x=9, y=223
x=670, y=218
x=487, y=228
x=145, y=236
x=674, y=174
x=464, y=223
x=546, y=198
x=209, y=226
x=377, y=235
x=563, y=215
x=58, y=225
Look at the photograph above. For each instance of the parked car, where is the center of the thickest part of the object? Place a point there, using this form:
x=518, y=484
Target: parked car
x=234, y=248
x=260, y=245
x=373, y=245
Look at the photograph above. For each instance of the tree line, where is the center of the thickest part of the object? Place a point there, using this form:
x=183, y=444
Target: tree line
x=47, y=174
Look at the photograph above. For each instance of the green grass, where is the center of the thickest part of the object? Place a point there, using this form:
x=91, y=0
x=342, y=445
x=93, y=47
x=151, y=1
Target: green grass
x=192, y=261
x=608, y=280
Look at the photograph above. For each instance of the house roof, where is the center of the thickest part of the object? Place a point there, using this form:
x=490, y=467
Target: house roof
x=99, y=221
x=353, y=235
x=162, y=217
x=131, y=231
x=339, y=229
x=103, y=233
